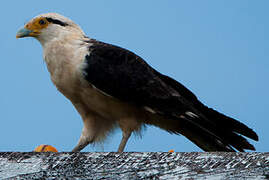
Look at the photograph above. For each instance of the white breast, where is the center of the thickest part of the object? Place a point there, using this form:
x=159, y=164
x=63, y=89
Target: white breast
x=65, y=64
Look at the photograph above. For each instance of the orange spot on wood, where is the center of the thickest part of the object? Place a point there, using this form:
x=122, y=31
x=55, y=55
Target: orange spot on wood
x=45, y=148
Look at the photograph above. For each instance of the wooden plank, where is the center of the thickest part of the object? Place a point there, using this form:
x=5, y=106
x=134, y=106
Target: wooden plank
x=135, y=165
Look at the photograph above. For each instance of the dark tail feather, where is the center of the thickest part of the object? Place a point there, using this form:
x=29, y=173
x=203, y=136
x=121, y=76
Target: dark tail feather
x=210, y=130
x=212, y=139
x=223, y=129
x=202, y=137
x=230, y=123
x=189, y=128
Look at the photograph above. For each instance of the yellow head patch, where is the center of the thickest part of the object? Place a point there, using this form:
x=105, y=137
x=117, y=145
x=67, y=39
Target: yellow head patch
x=36, y=25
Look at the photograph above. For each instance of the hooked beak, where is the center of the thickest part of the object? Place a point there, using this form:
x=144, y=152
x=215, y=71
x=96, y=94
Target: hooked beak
x=23, y=32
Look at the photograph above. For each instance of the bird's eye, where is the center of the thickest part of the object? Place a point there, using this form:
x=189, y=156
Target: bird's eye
x=42, y=22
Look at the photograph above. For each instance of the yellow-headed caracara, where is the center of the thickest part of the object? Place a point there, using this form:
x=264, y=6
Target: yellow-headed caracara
x=112, y=87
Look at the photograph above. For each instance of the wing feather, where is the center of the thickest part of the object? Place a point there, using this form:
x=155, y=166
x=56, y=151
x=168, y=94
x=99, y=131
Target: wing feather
x=124, y=75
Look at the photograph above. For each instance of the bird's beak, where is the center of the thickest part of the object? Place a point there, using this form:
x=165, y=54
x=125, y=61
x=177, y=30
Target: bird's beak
x=23, y=32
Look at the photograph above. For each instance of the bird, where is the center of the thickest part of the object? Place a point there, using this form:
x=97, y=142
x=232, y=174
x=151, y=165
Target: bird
x=112, y=87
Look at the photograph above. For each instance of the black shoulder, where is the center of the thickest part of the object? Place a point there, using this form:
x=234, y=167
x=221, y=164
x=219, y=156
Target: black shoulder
x=118, y=55
x=114, y=55
x=124, y=75
x=117, y=71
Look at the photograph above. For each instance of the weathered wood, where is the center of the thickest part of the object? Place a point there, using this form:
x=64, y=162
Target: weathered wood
x=158, y=165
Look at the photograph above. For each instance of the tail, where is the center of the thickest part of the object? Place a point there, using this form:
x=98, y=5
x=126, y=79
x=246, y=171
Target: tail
x=207, y=128
x=213, y=131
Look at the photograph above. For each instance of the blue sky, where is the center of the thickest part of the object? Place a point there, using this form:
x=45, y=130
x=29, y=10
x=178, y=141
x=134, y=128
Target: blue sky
x=218, y=49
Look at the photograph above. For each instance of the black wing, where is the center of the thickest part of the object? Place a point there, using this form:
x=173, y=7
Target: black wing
x=124, y=75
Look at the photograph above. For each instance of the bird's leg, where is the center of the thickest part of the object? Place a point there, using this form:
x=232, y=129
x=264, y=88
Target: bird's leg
x=82, y=143
x=87, y=137
x=80, y=146
x=124, y=139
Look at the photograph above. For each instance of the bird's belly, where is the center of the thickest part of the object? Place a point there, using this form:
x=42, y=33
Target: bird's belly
x=88, y=99
x=107, y=106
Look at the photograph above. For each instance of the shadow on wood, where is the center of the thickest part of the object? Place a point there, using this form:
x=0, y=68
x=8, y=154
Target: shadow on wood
x=149, y=165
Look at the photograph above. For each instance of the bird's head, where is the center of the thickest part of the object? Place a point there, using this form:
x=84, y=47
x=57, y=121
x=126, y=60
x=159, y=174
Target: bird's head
x=46, y=27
